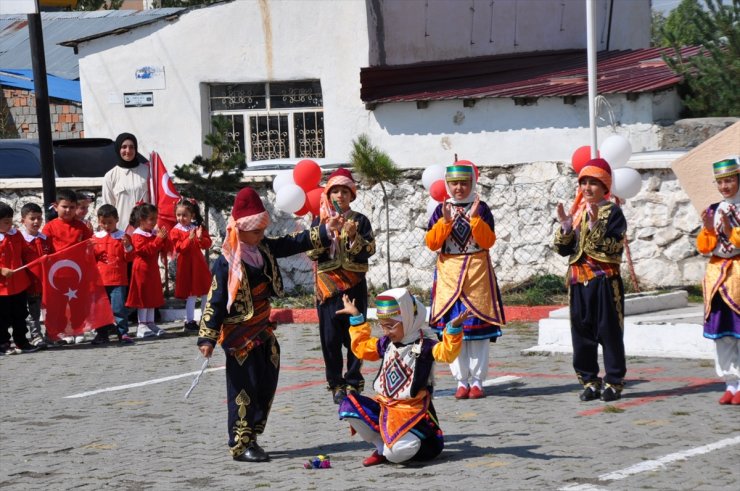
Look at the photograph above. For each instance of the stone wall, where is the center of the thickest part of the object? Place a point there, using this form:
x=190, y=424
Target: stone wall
x=18, y=116
x=662, y=226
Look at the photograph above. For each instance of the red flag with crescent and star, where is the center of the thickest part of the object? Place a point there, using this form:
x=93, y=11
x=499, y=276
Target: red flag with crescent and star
x=74, y=295
x=163, y=192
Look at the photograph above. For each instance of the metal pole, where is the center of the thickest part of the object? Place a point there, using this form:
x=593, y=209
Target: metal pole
x=43, y=119
x=591, y=55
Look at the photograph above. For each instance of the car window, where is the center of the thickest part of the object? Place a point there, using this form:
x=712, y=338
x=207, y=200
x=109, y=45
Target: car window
x=18, y=162
x=84, y=157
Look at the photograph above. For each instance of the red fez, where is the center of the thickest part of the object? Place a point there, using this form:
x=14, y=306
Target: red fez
x=247, y=203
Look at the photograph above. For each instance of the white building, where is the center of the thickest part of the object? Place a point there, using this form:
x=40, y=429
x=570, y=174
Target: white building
x=424, y=79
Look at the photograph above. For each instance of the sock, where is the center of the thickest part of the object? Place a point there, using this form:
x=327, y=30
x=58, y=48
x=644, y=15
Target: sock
x=462, y=384
x=477, y=383
x=733, y=386
x=190, y=309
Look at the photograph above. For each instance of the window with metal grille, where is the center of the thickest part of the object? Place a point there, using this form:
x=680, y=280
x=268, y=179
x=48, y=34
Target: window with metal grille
x=272, y=120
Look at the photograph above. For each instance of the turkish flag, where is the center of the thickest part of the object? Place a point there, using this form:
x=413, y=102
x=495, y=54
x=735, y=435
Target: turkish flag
x=163, y=192
x=74, y=295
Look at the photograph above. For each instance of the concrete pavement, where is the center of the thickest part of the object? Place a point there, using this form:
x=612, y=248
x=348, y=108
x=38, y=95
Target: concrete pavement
x=129, y=428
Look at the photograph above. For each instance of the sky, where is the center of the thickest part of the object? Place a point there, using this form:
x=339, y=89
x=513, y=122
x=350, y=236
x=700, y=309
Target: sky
x=665, y=6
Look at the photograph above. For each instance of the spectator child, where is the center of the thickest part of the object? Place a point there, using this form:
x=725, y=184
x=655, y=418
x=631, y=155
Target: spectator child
x=237, y=316
x=192, y=278
x=65, y=231
x=13, y=286
x=462, y=230
x=113, y=252
x=720, y=237
x=145, y=293
x=31, y=218
x=592, y=234
x=341, y=269
x=400, y=420
x=83, y=207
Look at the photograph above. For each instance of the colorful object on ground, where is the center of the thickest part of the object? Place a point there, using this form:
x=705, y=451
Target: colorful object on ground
x=320, y=462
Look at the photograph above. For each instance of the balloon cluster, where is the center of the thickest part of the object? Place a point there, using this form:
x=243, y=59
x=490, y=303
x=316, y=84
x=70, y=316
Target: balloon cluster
x=433, y=180
x=320, y=462
x=616, y=150
x=298, y=191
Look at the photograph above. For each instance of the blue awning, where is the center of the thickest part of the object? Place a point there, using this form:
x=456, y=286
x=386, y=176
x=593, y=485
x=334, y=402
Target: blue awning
x=59, y=88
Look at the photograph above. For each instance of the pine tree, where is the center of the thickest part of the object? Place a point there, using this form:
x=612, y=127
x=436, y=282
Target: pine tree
x=377, y=168
x=711, y=85
x=214, y=180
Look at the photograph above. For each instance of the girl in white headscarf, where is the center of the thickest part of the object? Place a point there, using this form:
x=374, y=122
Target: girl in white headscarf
x=400, y=421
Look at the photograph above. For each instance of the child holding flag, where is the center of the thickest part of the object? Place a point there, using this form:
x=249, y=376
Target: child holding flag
x=13, y=286
x=38, y=245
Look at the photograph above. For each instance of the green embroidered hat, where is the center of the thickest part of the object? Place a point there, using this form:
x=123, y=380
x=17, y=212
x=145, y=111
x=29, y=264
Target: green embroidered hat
x=725, y=168
x=387, y=307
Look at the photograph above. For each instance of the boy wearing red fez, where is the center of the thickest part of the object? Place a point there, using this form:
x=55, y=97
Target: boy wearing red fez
x=592, y=234
x=341, y=269
x=237, y=316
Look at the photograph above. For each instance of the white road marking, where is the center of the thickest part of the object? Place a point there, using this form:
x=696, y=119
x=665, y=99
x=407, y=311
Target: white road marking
x=139, y=384
x=500, y=380
x=651, y=465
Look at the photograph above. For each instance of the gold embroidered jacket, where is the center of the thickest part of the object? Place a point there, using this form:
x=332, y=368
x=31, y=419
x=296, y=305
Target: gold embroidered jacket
x=271, y=248
x=604, y=242
x=350, y=257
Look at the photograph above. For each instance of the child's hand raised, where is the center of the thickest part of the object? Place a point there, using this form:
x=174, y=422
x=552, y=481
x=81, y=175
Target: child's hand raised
x=350, y=229
x=126, y=240
x=724, y=218
x=707, y=218
x=349, y=307
x=562, y=216
x=162, y=232
x=447, y=212
x=6, y=272
x=462, y=317
x=474, y=208
x=335, y=224
x=199, y=231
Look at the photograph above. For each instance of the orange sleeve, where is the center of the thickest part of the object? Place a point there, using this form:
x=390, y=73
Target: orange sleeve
x=735, y=237
x=364, y=346
x=482, y=233
x=706, y=241
x=436, y=235
x=447, y=350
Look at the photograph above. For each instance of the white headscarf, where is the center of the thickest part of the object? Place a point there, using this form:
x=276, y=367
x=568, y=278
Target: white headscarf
x=413, y=315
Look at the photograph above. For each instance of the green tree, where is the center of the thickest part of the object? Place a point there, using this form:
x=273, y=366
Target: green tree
x=377, y=168
x=656, y=29
x=711, y=85
x=679, y=28
x=99, y=4
x=215, y=179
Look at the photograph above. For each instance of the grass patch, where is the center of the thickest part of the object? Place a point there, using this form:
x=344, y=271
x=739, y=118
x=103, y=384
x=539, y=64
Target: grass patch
x=546, y=289
x=613, y=409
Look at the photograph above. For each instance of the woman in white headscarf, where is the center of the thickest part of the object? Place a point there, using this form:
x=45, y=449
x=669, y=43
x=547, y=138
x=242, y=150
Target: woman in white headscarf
x=400, y=421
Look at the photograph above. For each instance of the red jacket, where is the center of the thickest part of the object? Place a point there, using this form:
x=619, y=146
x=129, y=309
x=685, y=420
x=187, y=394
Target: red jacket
x=13, y=254
x=112, y=257
x=37, y=246
x=63, y=234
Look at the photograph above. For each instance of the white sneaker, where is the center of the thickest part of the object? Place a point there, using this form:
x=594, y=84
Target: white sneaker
x=79, y=339
x=158, y=331
x=68, y=339
x=143, y=331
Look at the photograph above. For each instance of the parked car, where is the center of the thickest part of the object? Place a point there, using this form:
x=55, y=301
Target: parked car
x=289, y=164
x=78, y=157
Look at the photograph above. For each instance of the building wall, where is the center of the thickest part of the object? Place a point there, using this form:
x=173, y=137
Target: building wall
x=259, y=41
x=411, y=31
x=18, y=110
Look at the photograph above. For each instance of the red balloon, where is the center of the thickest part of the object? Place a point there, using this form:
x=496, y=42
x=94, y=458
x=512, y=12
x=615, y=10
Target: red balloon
x=307, y=174
x=467, y=162
x=313, y=199
x=580, y=157
x=438, y=191
x=303, y=210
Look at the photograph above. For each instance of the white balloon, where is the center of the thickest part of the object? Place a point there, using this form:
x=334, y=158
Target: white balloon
x=616, y=150
x=281, y=179
x=626, y=182
x=431, y=206
x=290, y=198
x=431, y=174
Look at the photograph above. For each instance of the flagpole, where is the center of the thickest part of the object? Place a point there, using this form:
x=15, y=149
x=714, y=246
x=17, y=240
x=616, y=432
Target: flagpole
x=591, y=57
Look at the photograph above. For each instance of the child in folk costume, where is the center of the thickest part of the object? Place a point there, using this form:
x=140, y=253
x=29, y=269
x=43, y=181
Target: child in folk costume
x=113, y=253
x=462, y=230
x=145, y=292
x=400, y=421
x=37, y=244
x=192, y=278
x=237, y=316
x=341, y=269
x=720, y=237
x=592, y=234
